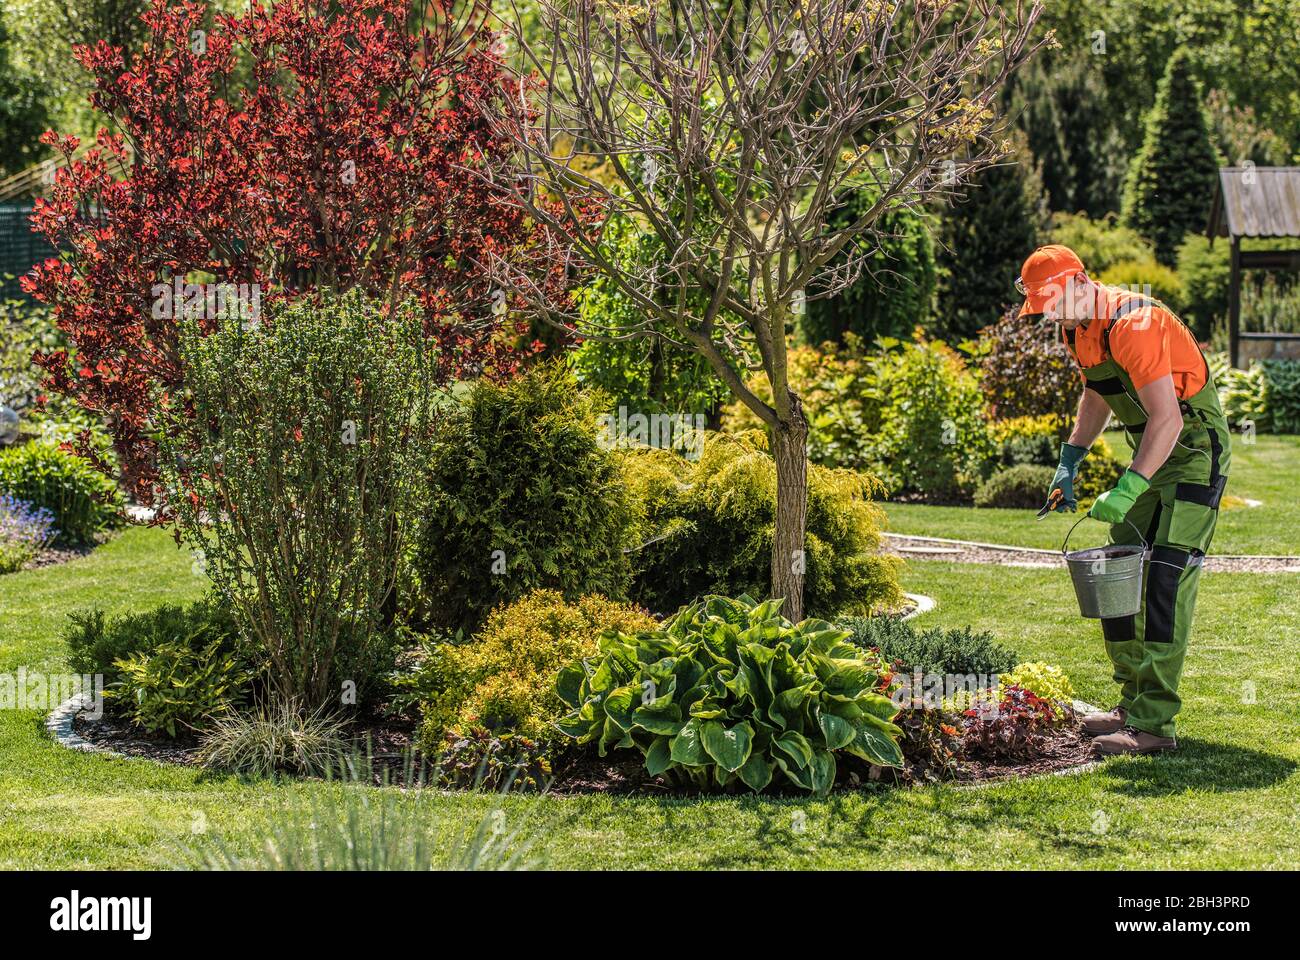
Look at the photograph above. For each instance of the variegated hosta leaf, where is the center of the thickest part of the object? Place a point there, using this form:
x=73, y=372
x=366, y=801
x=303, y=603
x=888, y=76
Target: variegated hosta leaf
x=728, y=690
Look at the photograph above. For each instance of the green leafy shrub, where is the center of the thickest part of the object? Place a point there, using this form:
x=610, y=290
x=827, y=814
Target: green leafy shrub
x=25, y=328
x=83, y=501
x=1100, y=244
x=1265, y=397
x=644, y=374
x=300, y=493
x=707, y=525
x=97, y=642
x=1037, y=440
x=276, y=737
x=729, y=691
x=1025, y=369
x=1241, y=393
x=1029, y=439
x=178, y=687
x=1281, y=395
x=840, y=398
x=910, y=414
x=523, y=495
x=934, y=441
x=1204, y=272
x=419, y=670
x=1150, y=279
x=1099, y=472
x=1044, y=680
x=501, y=681
x=1023, y=486
x=930, y=650
x=895, y=291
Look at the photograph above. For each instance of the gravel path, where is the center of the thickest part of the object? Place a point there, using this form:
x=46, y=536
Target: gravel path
x=968, y=551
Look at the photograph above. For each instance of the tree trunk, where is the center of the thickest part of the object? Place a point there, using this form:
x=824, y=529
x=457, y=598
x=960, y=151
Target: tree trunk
x=790, y=451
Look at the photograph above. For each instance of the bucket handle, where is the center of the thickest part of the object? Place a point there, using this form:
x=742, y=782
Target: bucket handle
x=1066, y=542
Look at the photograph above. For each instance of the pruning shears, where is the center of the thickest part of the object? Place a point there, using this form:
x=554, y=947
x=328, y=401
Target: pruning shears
x=1054, y=500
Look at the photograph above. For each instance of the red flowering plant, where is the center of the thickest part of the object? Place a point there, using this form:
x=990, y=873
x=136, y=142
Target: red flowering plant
x=1017, y=730
x=297, y=147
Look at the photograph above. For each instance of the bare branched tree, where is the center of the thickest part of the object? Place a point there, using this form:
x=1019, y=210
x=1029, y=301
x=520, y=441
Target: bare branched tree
x=733, y=129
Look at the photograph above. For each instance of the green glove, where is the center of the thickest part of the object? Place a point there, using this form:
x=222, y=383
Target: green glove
x=1067, y=471
x=1113, y=505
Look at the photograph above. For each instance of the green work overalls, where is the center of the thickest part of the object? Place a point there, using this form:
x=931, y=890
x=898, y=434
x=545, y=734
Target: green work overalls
x=1176, y=516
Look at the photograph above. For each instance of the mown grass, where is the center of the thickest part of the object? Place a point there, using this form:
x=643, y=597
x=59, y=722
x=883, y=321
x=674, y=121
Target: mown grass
x=1262, y=470
x=1229, y=798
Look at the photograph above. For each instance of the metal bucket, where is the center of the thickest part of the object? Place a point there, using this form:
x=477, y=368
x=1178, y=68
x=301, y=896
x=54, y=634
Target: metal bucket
x=1107, y=580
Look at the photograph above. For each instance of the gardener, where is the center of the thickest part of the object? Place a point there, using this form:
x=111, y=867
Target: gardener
x=1143, y=366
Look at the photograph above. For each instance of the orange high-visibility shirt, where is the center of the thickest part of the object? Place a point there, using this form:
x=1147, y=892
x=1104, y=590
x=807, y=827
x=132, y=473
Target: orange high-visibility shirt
x=1148, y=344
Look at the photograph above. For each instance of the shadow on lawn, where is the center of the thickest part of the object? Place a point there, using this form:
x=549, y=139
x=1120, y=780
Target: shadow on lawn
x=862, y=831
x=1206, y=766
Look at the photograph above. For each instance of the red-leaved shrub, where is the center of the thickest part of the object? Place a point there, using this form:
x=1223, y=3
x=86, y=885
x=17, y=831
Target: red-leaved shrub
x=296, y=147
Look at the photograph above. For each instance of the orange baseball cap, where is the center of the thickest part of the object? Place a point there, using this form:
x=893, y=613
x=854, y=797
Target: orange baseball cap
x=1043, y=275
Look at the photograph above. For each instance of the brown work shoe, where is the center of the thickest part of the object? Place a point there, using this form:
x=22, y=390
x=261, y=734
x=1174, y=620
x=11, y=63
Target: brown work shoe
x=1097, y=724
x=1129, y=740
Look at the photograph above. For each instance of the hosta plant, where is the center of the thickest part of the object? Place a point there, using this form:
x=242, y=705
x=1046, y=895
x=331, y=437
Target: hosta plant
x=730, y=691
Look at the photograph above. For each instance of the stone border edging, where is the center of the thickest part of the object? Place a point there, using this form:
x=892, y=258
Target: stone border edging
x=59, y=725
x=1009, y=548
x=923, y=603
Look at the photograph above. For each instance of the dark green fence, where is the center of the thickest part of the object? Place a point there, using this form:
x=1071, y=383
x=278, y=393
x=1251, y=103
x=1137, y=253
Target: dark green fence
x=20, y=248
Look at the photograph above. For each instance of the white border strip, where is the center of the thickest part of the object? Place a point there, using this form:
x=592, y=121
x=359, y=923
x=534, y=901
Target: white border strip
x=923, y=603
x=59, y=724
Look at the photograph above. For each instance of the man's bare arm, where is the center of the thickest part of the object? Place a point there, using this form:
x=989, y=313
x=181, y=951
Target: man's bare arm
x=1090, y=420
x=1164, y=423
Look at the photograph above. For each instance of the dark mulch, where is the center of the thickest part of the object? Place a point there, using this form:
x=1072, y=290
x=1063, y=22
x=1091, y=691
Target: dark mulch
x=122, y=738
x=55, y=555
x=1060, y=750
x=395, y=761
x=622, y=772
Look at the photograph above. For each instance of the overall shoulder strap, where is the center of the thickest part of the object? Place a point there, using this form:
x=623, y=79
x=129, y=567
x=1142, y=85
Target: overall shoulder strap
x=1130, y=305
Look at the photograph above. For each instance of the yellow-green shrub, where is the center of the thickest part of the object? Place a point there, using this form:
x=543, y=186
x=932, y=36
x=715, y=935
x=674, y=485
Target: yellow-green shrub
x=839, y=400
x=1042, y=680
x=706, y=528
x=503, y=680
x=1148, y=278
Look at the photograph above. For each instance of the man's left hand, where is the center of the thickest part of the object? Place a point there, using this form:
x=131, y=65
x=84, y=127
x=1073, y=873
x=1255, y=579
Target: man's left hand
x=1113, y=505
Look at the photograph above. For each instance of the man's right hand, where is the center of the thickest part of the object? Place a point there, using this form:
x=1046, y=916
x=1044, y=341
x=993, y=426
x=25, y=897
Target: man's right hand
x=1067, y=471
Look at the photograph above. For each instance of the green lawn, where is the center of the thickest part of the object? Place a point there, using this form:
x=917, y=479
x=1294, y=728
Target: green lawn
x=1229, y=798
x=1263, y=470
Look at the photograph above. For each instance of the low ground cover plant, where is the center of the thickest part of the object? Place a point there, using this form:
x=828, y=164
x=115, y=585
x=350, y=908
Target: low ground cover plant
x=97, y=642
x=1043, y=680
x=1015, y=730
x=706, y=528
x=932, y=649
x=729, y=693
x=501, y=680
x=173, y=670
x=180, y=687
x=82, y=501
x=25, y=531
x=277, y=737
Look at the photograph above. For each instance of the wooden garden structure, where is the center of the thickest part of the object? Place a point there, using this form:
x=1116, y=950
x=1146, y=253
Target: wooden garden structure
x=1255, y=202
